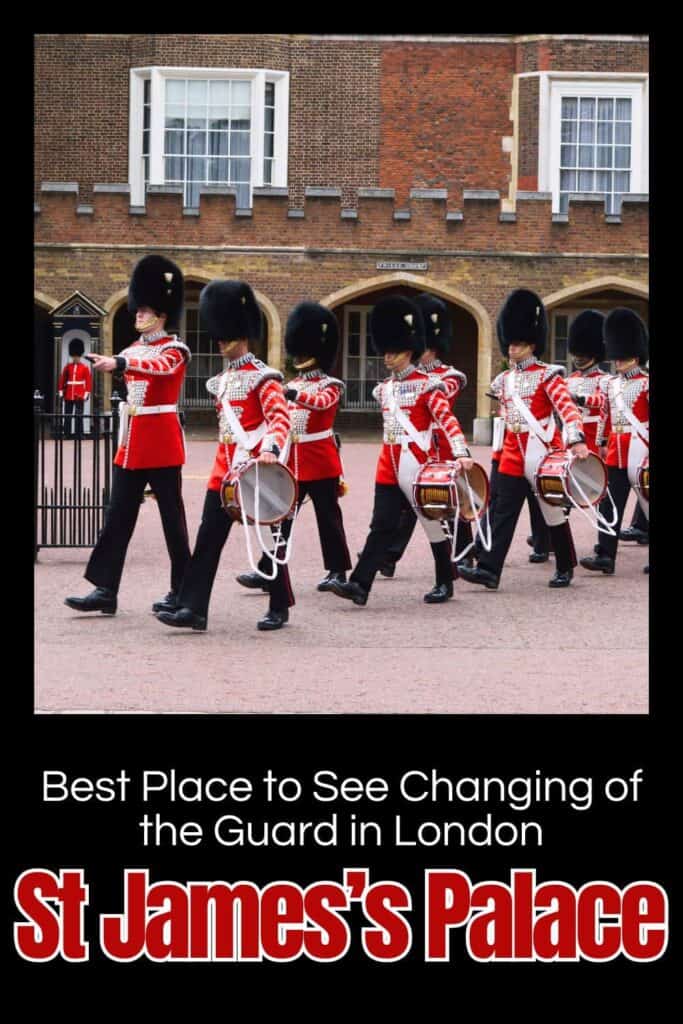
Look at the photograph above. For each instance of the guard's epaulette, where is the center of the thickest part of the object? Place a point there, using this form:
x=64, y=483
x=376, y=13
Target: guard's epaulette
x=452, y=372
x=175, y=342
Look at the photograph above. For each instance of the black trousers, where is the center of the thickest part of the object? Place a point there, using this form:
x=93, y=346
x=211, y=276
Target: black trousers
x=390, y=501
x=539, y=527
x=618, y=483
x=406, y=527
x=73, y=408
x=512, y=492
x=639, y=520
x=325, y=497
x=214, y=528
x=128, y=485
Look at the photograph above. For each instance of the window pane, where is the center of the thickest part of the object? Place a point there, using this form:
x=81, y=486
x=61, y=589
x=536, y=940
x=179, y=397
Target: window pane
x=175, y=90
x=218, y=170
x=604, y=156
x=561, y=325
x=270, y=94
x=174, y=142
x=605, y=109
x=622, y=156
x=568, y=181
x=268, y=144
x=145, y=143
x=240, y=118
x=587, y=108
x=197, y=93
x=622, y=134
x=219, y=94
x=239, y=170
x=269, y=119
x=569, y=131
x=586, y=156
x=196, y=169
x=267, y=172
x=192, y=194
x=174, y=168
x=564, y=202
x=561, y=350
x=623, y=111
x=603, y=181
x=354, y=323
x=353, y=367
x=353, y=345
x=196, y=142
x=145, y=118
x=218, y=143
x=175, y=122
x=219, y=119
x=568, y=156
x=241, y=94
x=196, y=117
x=586, y=181
x=239, y=143
x=605, y=133
x=622, y=181
x=147, y=90
x=586, y=131
x=569, y=107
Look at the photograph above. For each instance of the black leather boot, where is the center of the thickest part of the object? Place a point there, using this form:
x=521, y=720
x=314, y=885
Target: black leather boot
x=632, y=533
x=325, y=584
x=561, y=579
x=538, y=556
x=599, y=563
x=479, y=575
x=439, y=593
x=184, y=618
x=273, y=619
x=167, y=604
x=388, y=569
x=351, y=591
x=252, y=581
x=98, y=600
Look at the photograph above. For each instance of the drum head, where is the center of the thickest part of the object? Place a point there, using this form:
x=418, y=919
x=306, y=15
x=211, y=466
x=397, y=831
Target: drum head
x=479, y=486
x=277, y=492
x=591, y=476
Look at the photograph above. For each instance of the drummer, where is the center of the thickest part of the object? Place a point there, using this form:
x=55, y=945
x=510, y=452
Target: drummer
x=253, y=422
x=625, y=427
x=587, y=346
x=529, y=392
x=412, y=403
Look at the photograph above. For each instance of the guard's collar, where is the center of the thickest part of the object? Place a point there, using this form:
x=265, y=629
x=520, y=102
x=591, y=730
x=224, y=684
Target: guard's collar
x=525, y=363
x=402, y=374
x=431, y=366
x=236, y=364
x=310, y=374
x=147, y=339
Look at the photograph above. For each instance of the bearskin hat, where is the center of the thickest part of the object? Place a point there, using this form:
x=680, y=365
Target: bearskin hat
x=312, y=332
x=585, y=335
x=229, y=311
x=626, y=336
x=396, y=325
x=76, y=347
x=523, y=319
x=158, y=283
x=437, y=321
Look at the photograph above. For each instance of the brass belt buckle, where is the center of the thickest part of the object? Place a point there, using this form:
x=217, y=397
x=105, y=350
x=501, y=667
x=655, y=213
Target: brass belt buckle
x=295, y=438
x=391, y=438
x=619, y=428
x=227, y=439
x=132, y=410
x=516, y=428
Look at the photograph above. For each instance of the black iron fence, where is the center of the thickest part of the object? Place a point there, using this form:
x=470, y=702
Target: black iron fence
x=72, y=473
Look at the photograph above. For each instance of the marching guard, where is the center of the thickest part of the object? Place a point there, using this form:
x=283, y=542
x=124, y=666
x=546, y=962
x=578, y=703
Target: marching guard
x=438, y=340
x=625, y=426
x=253, y=423
x=313, y=396
x=529, y=392
x=151, y=443
x=412, y=402
x=586, y=344
x=75, y=385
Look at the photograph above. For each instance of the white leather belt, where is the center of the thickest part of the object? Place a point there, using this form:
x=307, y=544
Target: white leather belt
x=320, y=436
x=76, y=383
x=405, y=439
x=147, y=410
x=591, y=419
x=626, y=428
x=523, y=428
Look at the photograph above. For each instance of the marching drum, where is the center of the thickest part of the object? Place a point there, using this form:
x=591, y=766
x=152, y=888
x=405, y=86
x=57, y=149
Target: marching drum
x=276, y=498
x=564, y=481
x=439, y=491
x=643, y=477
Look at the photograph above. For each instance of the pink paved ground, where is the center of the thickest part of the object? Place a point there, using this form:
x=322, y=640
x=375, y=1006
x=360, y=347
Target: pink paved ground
x=522, y=649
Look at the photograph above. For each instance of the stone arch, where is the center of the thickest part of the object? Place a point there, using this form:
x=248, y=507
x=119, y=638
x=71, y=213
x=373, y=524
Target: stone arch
x=46, y=301
x=445, y=291
x=623, y=284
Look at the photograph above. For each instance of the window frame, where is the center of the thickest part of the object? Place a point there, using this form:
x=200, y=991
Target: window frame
x=158, y=76
x=365, y=352
x=555, y=85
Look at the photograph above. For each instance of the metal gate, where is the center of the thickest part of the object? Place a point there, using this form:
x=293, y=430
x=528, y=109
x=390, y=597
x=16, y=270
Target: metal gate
x=72, y=473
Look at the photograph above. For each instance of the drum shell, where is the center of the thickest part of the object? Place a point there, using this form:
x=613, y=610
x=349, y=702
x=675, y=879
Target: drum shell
x=279, y=497
x=553, y=480
x=442, y=476
x=644, y=478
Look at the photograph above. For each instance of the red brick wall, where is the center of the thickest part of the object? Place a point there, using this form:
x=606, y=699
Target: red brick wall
x=582, y=55
x=445, y=109
x=529, y=89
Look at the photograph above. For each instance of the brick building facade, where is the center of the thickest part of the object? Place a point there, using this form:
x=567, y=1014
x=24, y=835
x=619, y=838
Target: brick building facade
x=338, y=169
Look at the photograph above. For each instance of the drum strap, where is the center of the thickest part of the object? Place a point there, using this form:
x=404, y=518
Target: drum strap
x=641, y=429
x=246, y=439
x=544, y=434
x=423, y=439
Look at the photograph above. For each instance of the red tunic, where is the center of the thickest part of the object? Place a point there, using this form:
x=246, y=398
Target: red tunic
x=75, y=382
x=543, y=391
x=254, y=391
x=586, y=384
x=423, y=400
x=634, y=387
x=313, y=412
x=154, y=374
x=454, y=381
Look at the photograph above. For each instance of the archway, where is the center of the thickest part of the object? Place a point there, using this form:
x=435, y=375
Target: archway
x=471, y=350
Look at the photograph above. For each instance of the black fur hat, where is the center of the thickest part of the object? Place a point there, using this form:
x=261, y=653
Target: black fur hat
x=626, y=336
x=158, y=283
x=396, y=325
x=312, y=332
x=76, y=347
x=229, y=311
x=585, y=335
x=523, y=319
x=437, y=321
